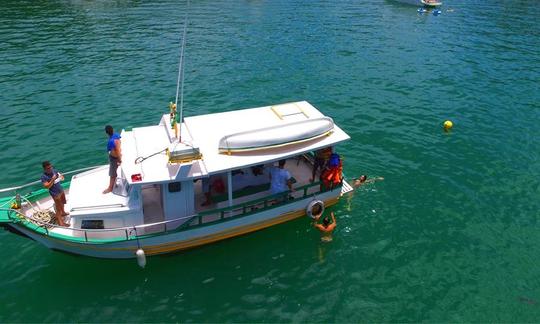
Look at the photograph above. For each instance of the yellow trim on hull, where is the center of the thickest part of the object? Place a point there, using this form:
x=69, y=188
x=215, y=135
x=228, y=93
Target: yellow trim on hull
x=177, y=246
x=170, y=247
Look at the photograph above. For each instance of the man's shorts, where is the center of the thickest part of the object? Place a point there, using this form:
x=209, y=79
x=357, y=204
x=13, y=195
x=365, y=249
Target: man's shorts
x=113, y=166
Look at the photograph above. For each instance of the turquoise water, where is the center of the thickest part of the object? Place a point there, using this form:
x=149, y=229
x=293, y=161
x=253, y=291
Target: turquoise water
x=450, y=235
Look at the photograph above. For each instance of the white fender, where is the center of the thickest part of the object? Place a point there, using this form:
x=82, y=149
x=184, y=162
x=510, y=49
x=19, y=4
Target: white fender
x=141, y=258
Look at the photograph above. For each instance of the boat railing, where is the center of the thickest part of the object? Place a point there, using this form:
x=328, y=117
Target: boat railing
x=203, y=218
x=127, y=231
x=256, y=205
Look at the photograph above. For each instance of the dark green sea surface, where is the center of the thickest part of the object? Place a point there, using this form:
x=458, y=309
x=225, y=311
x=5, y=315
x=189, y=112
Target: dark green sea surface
x=451, y=234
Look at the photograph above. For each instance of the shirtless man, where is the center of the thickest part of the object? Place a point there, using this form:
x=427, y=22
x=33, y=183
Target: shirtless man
x=326, y=228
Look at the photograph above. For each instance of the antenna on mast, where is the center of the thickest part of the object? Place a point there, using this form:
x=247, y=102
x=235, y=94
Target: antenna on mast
x=180, y=82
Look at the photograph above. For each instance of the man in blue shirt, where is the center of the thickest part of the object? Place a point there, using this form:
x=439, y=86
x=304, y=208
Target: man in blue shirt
x=115, y=156
x=51, y=180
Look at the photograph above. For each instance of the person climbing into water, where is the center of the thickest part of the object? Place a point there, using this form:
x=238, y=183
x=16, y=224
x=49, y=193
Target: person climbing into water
x=326, y=228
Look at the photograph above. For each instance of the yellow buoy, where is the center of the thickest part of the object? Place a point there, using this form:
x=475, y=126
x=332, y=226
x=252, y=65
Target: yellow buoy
x=447, y=125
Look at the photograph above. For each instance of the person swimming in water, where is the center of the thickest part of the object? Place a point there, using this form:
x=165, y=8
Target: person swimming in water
x=326, y=228
x=364, y=180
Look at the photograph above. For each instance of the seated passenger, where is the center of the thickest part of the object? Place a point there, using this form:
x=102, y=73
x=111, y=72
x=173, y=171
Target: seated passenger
x=257, y=170
x=240, y=179
x=215, y=184
x=258, y=175
x=280, y=179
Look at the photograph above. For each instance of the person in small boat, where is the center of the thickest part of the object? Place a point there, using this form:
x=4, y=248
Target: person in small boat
x=326, y=228
x=280, y=179
x=321, y=161
x=207, y=192
x=115, y=156
x=51, y=180
x=363, y=179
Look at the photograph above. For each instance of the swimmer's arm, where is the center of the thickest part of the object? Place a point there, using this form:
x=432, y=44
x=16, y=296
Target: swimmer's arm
x=333, y=217
x=374, y=179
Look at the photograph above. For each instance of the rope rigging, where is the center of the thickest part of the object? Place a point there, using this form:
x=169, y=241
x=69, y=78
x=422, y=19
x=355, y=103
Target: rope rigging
x=140, y=159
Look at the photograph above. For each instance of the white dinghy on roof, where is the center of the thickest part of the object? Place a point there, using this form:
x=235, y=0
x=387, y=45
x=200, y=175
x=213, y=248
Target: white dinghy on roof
x=274, y=136
x=289, y=124
x=298, y=126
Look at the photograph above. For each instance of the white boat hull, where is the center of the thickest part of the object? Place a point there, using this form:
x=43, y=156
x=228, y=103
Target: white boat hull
x=190, y=238
x=431, y=3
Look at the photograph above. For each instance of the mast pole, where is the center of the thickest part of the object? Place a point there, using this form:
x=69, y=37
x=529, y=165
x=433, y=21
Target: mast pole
x=180, y=81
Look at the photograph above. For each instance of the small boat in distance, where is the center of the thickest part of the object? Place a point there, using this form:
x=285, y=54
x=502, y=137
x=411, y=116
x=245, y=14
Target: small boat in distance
x=423, y=3
x=431, y=3
x=160, y=201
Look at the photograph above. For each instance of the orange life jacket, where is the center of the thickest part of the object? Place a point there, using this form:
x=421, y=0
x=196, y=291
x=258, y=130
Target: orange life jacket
x=333, y=175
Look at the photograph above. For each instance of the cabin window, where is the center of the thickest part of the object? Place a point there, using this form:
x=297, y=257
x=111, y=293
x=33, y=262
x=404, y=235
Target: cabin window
x=175, y=187
x=92, y=224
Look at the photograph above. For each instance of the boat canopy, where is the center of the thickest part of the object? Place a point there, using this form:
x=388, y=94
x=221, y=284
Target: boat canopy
x=203, y=134
x=208, y=130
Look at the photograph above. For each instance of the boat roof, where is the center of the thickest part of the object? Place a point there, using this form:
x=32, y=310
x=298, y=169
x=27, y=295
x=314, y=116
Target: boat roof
x=205, y=132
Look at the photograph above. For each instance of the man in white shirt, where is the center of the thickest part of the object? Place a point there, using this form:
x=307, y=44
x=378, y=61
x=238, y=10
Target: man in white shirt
x=280, y=179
